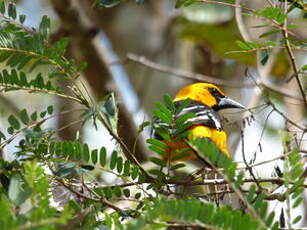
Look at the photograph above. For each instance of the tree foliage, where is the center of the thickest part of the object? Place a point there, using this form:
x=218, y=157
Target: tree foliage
x=43, y=162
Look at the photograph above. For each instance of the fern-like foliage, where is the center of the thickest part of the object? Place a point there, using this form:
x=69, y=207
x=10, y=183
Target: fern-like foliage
x=44, y=163
x=22, y=48
x=18, y=81
x=162, y=212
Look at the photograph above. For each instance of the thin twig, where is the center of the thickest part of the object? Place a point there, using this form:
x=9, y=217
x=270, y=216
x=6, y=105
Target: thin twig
x=246, y=164
x=292, y=57
x=99, y=200
x=266, y=48
x=45, y=91
x=285, y=117
x=227, y=4
x=273, y=180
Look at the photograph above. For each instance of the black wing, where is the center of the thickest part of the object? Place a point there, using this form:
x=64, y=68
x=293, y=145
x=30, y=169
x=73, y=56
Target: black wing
x=204, y=116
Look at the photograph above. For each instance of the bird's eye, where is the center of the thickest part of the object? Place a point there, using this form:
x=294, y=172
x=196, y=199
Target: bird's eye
x=215, y=92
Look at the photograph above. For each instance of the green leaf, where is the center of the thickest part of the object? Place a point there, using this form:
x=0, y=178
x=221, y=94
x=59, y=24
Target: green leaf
x=156, y=149
x=135, y=172
x=251, y=193
x=10, y=130
x=108, y=220
x=297, y=192
x=273, y=31
x=264, y=56
x=103, y=156
x=242, y=45
x=117, y=191
x=177, y=166
x=44, y=26
x=297, y=202
x=2, y=136
x=163, y=132
x=78, y=150
x=162, y=117
x=108, y=192
x=164, y=110
x=157, y=161
x=14, y=122
x=82, y=67
x=94, y=156
x=88, y=167
x=43, y=114
x=22, y=18
x=137, y=195
x=157, y=173
x=126, y=168
x=119, y=165
x=24, y=116
x=297, y=219
x=252, y=45
x=304, y=68
x=113, y=160
x=180, y=3
x=86, y=153
x=126, y=192
x=158, y=143
x=169, y=103
x=66, y=148
x=2, y=7
x=263, y=209
x=261, y=26
x=182, y=105
x=270, y=43
x=270, y=219
x=50, y=109
x=34, y=116
x=12, y=11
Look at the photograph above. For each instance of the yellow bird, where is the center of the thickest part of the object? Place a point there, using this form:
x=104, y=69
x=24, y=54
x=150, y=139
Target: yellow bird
x=206, y=100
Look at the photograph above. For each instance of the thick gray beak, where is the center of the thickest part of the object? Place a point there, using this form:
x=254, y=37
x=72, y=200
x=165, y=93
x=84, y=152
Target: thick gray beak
x=226, y=103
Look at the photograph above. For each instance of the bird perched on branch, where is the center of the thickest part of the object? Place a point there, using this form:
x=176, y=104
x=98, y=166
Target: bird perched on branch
x=205, y=101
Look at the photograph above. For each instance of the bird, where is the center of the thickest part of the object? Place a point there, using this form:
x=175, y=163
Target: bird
x=206, y=100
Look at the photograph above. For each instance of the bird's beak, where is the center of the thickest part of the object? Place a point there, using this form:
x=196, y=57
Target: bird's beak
x=226, y=103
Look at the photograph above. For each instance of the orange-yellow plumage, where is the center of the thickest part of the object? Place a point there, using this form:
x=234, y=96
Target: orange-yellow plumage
x=207, y=99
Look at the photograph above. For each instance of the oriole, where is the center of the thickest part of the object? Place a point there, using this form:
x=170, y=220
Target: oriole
x=206, y=100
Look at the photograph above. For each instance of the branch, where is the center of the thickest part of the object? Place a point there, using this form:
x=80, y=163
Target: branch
x=183, y=74
x=45, y=91
x=273, y=180
x=286, y=118
x=245, y=162
x=200, y=77
x=293, y=61
x=99, y=200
